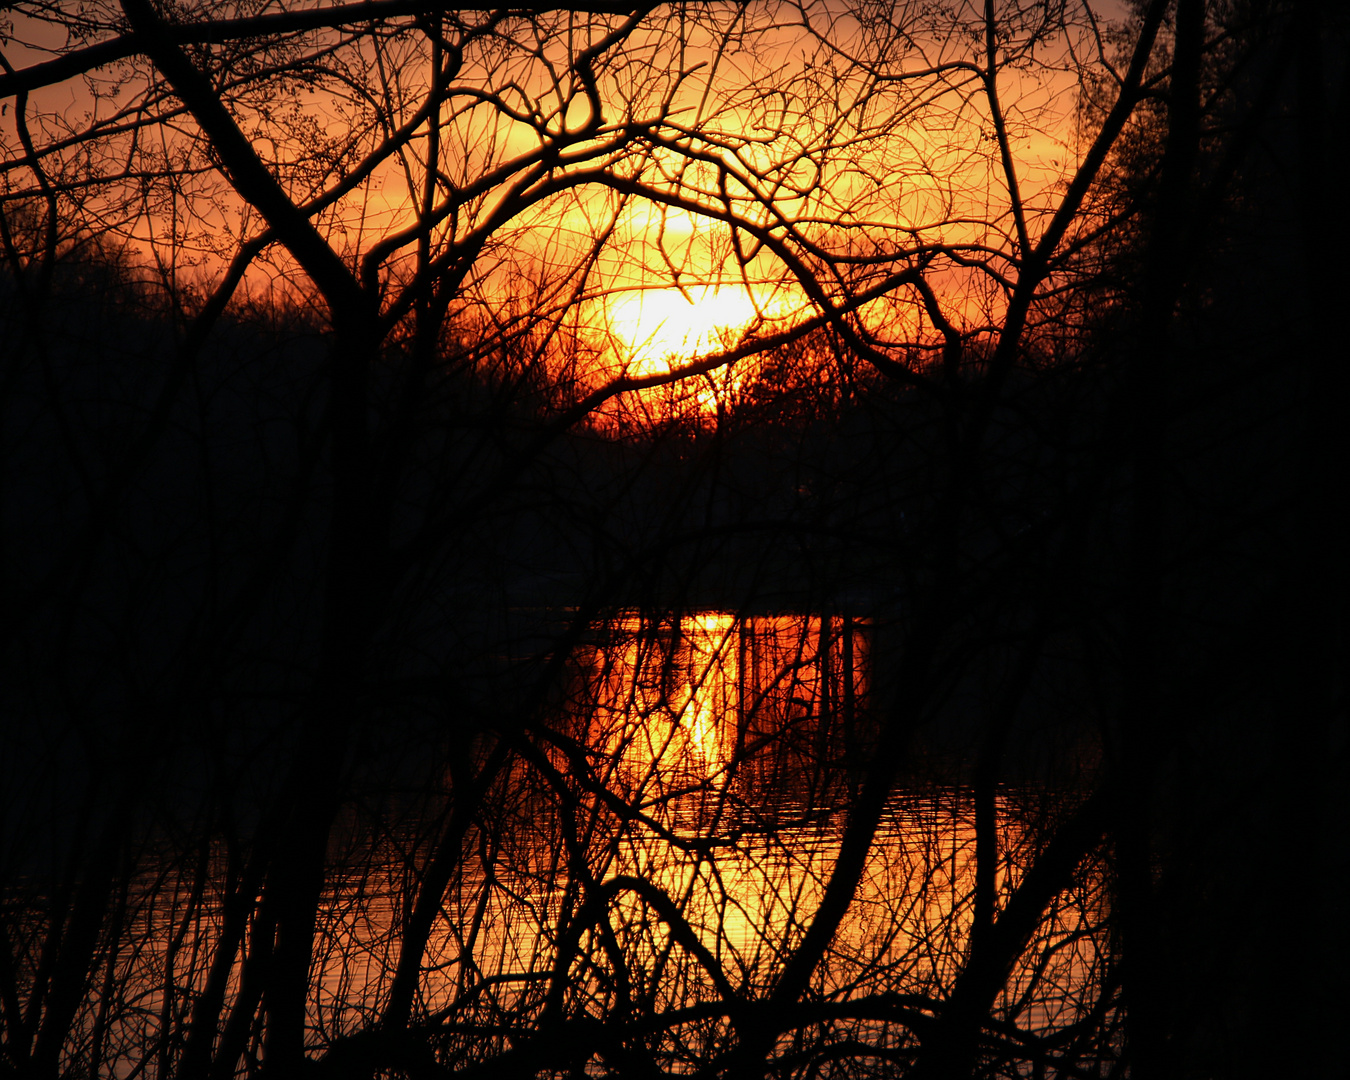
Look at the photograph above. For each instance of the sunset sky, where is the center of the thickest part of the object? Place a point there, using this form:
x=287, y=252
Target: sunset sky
x=856, y=169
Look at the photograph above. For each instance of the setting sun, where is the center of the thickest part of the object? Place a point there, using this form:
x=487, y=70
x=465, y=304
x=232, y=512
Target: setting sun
x=729, y=539
x=654, y=329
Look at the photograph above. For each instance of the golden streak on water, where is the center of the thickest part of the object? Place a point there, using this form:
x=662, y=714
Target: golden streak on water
x=684, y=698
x=726, y=736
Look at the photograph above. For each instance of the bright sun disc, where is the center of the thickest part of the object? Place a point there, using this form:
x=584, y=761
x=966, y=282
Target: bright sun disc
x=657, y=329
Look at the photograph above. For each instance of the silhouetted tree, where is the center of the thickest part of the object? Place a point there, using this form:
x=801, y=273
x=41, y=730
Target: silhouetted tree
x=397, y=658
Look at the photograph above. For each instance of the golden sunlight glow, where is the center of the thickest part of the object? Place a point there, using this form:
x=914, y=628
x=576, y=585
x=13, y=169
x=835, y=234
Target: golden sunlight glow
x=658, y=329
x=677, y=702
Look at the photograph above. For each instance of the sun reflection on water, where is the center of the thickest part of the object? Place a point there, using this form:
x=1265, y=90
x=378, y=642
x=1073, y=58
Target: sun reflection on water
x=716, y=762
x=684, y=700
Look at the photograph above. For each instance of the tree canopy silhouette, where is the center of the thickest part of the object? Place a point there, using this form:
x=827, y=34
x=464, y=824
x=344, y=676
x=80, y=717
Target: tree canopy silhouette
x=422, y=661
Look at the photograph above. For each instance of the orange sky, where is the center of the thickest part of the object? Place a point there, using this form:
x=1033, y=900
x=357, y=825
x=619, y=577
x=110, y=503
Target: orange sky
x=885, y=168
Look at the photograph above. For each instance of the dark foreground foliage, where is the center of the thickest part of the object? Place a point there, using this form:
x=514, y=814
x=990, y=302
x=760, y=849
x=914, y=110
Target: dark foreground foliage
x=976, y=713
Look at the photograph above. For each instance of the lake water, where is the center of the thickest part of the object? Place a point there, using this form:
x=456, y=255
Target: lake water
x=697, y=773
x=713, y=758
